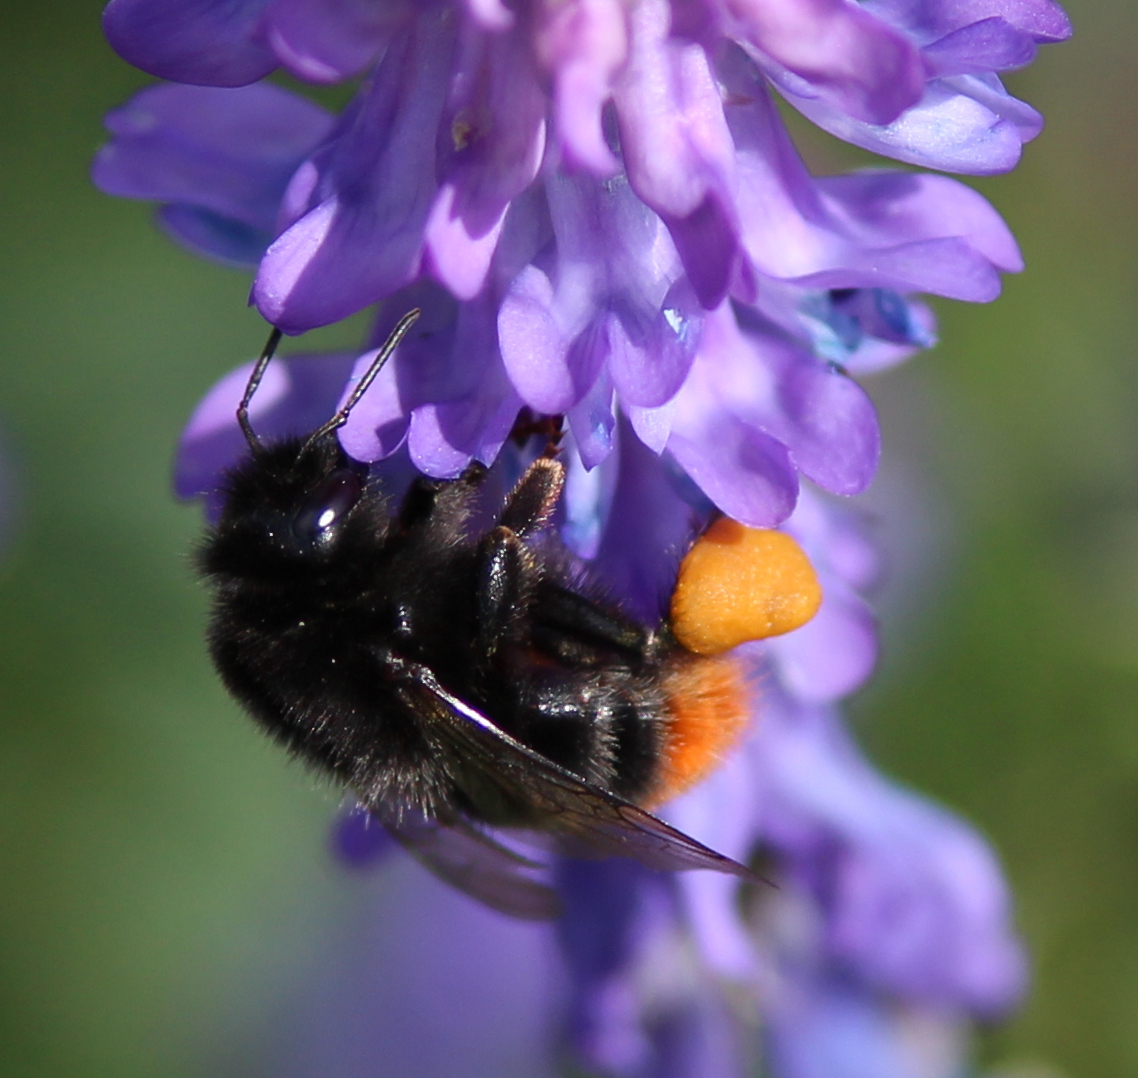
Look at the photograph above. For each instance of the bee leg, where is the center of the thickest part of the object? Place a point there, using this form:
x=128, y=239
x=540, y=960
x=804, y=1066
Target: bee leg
x=502, y=560
x=575, y=619
x=531, y=503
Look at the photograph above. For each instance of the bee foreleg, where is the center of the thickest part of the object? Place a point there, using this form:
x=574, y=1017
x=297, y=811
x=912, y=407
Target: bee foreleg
x=531, y=503
x=502, y=560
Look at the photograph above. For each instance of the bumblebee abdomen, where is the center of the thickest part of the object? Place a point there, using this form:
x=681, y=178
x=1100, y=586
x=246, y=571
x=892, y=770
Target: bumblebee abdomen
x=646, y=735
x=708, y=703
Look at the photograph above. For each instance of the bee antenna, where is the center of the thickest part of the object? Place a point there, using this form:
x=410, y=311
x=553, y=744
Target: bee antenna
x=382, y=356
x=255, y=445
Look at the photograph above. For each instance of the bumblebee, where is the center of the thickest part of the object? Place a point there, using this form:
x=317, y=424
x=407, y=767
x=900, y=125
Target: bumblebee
x=455, y=679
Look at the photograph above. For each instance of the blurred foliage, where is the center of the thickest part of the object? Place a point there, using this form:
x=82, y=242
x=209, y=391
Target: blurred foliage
x=162, y=870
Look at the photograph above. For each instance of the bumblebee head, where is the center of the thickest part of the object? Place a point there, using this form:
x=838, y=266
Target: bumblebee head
x=295, y=506
x=299, y=507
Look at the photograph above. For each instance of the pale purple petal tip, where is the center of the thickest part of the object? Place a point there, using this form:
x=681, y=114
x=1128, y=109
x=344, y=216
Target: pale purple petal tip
x=746, y=473
x=325, y=41
x=842, y=52
x=947, y=130
x=360, y=236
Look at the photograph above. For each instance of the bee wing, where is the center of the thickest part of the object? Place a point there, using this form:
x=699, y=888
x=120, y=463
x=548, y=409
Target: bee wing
x=605, y=823
x=472, y=861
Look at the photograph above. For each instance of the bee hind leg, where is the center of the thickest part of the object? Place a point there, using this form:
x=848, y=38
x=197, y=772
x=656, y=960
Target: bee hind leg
x=531, y=503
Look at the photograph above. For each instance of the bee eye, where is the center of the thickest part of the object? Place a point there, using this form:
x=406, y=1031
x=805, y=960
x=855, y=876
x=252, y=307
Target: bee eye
x=328, y=505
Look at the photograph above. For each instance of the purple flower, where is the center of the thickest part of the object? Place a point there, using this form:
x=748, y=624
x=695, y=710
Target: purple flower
x=913, y=78
x=593, y=315
x=472, y=92
x=604, y=191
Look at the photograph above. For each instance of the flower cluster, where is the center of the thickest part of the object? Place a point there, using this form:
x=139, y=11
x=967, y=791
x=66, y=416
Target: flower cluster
x=597, y=206
x=600, y=212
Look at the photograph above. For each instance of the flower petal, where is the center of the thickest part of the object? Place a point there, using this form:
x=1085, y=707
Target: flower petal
x=677, y=148
x=913, y=899
x=1043, y=21
x=989, y=45
x=223, y=157
x=496, y=120
x=551, y=365
x=948, y=130
x=834, y=653
x=582, y=45
x=888, y=230
x=330, y=40
x=369, y=192
x=746, y=473
x=592, y=422
x=848, y=57
x=444, y=389
x=203, y=42
x=643, y=540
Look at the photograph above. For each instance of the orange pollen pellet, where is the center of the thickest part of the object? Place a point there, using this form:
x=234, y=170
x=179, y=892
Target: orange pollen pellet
x=738, y=584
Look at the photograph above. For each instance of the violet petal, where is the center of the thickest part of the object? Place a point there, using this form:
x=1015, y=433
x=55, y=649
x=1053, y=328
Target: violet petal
x=834, y=653
x=677, y=148
x=582, y=45
x=614, y=295
x=988, y=45
x=649, y=355
x=495, y=124
x=643, y=541
x=746, y=473
x=1043, y=21
x=228, y=153
x=361, y=237
x=826, y=420
x=592, y=422
x=552, y=365
x=874, y=229
x=444, y=388
x=849, y=58
x=202, y=42
x=914, y=901
x=947, y=130
x=330, y=40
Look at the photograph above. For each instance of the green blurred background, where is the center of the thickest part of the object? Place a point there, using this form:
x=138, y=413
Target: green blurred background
x=162, y=868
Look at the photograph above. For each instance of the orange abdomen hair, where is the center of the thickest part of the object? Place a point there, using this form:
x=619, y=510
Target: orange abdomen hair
x=708, y=702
